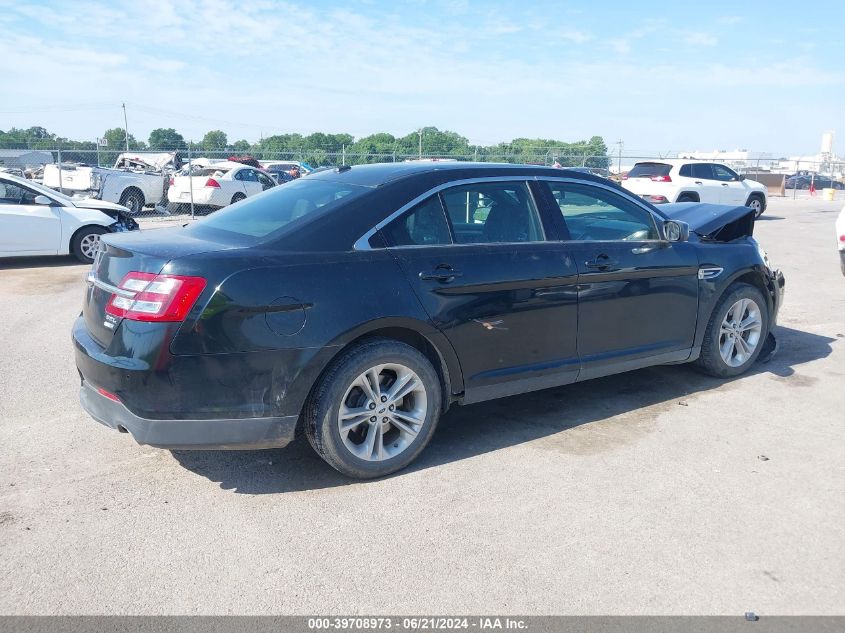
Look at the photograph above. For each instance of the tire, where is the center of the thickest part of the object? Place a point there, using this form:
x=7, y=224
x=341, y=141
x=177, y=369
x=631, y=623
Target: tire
x=237, y=198
x=364, y=450
x=133, y=200
x=84, y=242
x=756, y=202
x=686, y=197
x=716, y=339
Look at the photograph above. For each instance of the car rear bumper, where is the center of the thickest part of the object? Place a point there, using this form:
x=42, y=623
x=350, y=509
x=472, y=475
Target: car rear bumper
x=243, y=433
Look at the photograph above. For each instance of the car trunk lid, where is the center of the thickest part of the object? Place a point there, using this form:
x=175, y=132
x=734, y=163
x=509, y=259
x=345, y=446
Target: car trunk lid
x=138, y=251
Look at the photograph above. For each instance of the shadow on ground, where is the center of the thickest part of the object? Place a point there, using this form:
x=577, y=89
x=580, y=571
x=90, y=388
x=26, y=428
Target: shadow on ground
x=50, y=261
x=477, y=429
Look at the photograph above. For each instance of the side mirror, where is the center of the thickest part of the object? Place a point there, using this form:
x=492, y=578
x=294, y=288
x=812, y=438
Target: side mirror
x=41, y=199
x=741, y=177
x=675, y=231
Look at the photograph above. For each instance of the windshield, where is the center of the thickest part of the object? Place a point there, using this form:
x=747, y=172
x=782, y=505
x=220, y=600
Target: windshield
x=41, y=189
x=263, y=215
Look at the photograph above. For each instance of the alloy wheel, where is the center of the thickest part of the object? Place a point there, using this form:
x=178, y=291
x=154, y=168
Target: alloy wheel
x=740, y=332
x=89, y=244
x=382, y=412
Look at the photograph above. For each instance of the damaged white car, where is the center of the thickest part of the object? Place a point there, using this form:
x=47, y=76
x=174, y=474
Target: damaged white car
x=35, y=220
x=136, y=180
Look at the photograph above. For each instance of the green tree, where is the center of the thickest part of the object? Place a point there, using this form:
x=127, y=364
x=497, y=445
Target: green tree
x=215, y=141
x=166, y=139
x=116, y=139
x=241, y=146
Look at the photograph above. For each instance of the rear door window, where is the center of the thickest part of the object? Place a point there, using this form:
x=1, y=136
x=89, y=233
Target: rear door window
x=424, y=225
x=702, y=170
x=491, y=212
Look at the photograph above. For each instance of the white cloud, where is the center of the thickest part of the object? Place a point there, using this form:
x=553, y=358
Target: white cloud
x=268, y=67
x=622, y=47
x=701, y=39
x=574, y=35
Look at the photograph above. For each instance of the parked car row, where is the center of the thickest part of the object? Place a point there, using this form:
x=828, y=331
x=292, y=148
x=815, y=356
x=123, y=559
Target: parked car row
x=142, y=179
x=135, y=181
x=218, y=184
x=665, y=181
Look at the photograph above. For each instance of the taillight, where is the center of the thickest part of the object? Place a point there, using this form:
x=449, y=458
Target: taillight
x=172, y=181
x=155, y=297
x=842, y=238
x=624, y=176
x=212, y=183
x=661, y=178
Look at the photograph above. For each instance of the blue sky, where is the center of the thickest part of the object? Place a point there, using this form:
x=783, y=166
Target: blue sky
x=663, y=76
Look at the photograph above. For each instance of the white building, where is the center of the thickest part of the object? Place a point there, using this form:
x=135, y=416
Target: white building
x=737, y=159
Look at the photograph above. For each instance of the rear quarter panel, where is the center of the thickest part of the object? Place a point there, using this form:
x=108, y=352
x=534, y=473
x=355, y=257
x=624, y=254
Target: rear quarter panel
x=276, y=323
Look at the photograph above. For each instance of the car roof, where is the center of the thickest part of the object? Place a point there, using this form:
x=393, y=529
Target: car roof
x=675, y=162
x=377, y=174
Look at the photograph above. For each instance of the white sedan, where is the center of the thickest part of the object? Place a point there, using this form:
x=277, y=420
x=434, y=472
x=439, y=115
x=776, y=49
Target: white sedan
x=217, y=185
x=36, y=220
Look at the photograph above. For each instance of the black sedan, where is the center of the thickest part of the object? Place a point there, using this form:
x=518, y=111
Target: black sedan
x=817, y=182
x=359, y=303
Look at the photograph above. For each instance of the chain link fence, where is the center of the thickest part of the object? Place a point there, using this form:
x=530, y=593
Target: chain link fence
x=142, y=180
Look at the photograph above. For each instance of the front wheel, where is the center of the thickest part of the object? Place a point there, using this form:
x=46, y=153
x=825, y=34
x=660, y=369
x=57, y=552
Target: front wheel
x=735, y=332
x=85, y=243
x=374, y=410
x=756, y=205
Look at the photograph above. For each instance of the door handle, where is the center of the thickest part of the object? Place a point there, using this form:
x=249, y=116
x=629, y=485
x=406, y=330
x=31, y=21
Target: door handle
x=444, y=274
x=602, y=262
x=724, y=184
x=698, y=182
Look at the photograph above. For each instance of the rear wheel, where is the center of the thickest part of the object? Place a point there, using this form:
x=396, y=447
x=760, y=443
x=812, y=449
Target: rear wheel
x=374, y=410
x=133, y=200
x=237, y=197
x=85, y=242
x=735, y=332
x=686, y=197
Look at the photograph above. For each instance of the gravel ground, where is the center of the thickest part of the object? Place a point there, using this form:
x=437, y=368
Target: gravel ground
x=659, y=491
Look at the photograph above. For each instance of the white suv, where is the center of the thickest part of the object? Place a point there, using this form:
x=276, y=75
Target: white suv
x=687, y=181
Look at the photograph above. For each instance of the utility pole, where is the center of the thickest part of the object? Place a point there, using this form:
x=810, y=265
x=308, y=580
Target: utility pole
x=620, y=143
x=420, y=132
x=125, y=128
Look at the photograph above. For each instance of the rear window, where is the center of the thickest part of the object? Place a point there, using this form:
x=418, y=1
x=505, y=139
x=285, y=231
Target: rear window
x=647, y=170
x=267, y=213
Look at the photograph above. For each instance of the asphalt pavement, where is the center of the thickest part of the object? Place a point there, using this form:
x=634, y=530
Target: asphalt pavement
x=660, y=491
